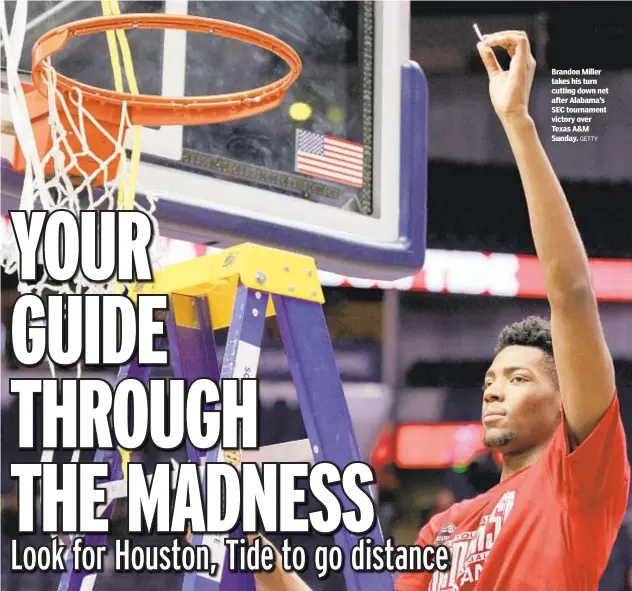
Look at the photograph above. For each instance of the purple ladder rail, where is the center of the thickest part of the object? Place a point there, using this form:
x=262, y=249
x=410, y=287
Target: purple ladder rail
x=325, y=413
x=73, y=579
x=241, y=359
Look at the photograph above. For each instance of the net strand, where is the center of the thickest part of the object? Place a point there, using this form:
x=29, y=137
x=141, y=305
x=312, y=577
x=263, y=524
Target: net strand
x=60, y=189
x=13, y=42
x=127, y=195
x=70, y=186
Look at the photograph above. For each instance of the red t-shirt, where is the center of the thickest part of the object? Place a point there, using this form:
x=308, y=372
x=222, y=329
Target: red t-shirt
x=550, y=527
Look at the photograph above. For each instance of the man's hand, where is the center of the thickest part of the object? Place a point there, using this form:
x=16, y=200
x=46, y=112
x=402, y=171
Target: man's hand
x=278, y=579
x=510, y=90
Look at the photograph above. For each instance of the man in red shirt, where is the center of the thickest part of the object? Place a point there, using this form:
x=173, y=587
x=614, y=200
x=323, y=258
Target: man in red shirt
x=549, y=403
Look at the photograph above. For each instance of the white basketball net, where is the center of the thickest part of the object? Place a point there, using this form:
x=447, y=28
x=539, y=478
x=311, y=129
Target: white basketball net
x=60, y=190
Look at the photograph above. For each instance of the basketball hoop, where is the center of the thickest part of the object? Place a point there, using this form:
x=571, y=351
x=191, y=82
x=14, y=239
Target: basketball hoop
x=110, y=112
x=71, y=136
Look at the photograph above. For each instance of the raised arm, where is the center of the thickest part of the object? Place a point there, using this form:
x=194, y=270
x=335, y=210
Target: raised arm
x=584, y=365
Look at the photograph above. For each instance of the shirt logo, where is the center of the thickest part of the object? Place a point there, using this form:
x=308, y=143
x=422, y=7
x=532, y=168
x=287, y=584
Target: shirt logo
x=445, y=534
x=470, y=549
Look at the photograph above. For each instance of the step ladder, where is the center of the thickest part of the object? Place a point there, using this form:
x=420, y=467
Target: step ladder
x=238, y=289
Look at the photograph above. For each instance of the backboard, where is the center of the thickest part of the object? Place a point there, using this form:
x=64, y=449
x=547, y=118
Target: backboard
x=338, y=171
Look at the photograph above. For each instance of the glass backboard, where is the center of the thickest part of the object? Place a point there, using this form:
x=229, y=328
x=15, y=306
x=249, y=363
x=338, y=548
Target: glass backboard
x=337, y=171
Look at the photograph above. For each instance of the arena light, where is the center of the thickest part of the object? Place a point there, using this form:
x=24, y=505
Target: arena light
x=335, y=114
x=300, y=111
x=437, y=446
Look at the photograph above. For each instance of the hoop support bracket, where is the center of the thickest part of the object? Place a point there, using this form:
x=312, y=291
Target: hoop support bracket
x=216, y=277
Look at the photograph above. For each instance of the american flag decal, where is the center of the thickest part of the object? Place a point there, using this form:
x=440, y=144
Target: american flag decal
x=329, y=158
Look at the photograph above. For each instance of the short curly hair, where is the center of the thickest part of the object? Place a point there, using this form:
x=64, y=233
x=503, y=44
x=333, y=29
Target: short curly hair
x=533, y=331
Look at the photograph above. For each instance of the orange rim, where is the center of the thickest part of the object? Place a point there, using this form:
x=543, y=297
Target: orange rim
x=106, y=105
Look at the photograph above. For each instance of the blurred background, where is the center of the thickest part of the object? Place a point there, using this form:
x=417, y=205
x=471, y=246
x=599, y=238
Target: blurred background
x=412, y=356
